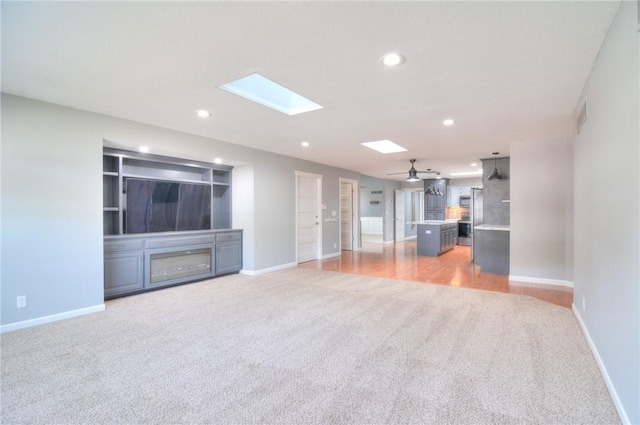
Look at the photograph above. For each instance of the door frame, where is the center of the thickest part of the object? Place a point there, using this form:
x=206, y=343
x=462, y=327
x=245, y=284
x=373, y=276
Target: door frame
x=355, y=213
x=318, y=203
x=399, y=198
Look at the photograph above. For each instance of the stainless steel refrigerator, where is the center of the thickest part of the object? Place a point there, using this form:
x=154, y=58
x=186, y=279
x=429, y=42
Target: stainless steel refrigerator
x=475, y=216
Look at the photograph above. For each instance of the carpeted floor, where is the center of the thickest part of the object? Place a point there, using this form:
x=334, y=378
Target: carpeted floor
x=303, y=346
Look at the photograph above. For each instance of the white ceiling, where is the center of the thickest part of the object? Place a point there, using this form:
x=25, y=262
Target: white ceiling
x=505, y=71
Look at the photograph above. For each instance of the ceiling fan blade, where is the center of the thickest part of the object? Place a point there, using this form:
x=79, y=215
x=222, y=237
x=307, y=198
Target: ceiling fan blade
x=393, y=174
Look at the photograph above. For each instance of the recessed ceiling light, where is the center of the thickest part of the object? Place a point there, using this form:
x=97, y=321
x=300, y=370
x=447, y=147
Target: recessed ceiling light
x=392, y=59
x=305, y=144
x=143, y=149
x=384, y=146
x=217, y=160
x=261, y=90
x=474, y=164
x=203, y=114
x=449, y=121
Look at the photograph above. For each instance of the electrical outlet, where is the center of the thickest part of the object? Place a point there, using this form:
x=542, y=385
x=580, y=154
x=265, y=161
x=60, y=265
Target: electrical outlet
x=335, y=245
x=21, y=301
x=584, y=304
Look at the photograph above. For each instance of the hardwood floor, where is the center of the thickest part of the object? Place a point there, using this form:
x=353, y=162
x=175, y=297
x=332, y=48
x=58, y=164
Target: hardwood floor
x=400, y=261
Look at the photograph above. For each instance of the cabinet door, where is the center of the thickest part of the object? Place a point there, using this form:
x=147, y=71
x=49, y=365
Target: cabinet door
x=228, y=257
x=122, y=272
x=430, y=202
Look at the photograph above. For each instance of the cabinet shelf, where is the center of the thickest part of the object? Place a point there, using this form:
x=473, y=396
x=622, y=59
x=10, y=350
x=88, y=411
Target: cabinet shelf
x=142, y=176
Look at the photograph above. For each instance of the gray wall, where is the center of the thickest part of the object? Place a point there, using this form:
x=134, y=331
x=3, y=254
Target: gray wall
x=367, y=209
x=388, y=219
x=51, y=211
x=494, y=210
x=542, y=210
x=52, y=203
x=607, y=211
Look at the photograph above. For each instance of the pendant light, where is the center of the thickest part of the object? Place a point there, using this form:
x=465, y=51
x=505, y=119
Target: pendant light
x=495, y=175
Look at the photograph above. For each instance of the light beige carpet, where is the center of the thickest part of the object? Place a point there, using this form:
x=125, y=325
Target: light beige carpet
x=303, y=346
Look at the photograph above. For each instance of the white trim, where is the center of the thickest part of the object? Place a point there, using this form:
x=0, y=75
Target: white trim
x=51, y=318
x=603, y=370
x=332, y=255
x=408, y=238
x=540, y=280
x=319, y=230
x=355, y=212
x=267, y=270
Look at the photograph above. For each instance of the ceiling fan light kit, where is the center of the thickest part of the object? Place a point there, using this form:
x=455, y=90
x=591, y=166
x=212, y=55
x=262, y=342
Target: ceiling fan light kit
x=413, y=173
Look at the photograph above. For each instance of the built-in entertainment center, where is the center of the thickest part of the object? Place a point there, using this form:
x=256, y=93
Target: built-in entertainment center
x=167, y=221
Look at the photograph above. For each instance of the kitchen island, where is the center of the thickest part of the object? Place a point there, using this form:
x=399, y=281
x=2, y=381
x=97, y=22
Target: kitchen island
x=435, y=237
x=491, y=247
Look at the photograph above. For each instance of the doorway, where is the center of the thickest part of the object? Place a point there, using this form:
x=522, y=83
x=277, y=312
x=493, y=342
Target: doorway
x=308, y=214
x=349, y=230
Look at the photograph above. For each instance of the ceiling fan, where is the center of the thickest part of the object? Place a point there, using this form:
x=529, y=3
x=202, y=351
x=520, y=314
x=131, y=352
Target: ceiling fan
x=413, y=173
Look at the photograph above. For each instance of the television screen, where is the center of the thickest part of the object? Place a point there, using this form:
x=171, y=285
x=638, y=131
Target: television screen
x=166, y=206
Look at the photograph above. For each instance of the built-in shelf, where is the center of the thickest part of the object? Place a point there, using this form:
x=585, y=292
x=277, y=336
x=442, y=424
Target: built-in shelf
x=121, y=168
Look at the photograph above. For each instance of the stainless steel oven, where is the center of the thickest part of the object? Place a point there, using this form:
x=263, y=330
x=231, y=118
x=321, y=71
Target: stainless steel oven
x=464, y=232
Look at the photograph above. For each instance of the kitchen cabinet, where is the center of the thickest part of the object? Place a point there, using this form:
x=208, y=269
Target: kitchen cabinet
x=454, y=194
x=435, y=205
x=436, y=238
x=491, y=248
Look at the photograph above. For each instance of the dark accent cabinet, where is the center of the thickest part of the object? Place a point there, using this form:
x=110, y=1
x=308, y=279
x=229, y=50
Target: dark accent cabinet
x=435, y=205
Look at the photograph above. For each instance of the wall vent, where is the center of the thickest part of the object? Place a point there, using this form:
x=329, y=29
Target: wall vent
x=582, y=117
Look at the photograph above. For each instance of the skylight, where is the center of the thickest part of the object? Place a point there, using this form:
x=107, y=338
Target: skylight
x=261, y=90
x=384, y=146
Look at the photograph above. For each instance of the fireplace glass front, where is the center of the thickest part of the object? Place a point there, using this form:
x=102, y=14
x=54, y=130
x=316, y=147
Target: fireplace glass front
x=168, y=266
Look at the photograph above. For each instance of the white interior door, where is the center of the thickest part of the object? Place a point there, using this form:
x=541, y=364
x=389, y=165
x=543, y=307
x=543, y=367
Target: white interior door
x=346, y=216
x=399, y=216
x=308, y=204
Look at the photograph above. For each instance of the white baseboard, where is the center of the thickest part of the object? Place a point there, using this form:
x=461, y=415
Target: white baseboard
x=408, y=238
x=603, y=370
x=270, y=269
x=332, y=255
x=51, y=318
x=527, y=279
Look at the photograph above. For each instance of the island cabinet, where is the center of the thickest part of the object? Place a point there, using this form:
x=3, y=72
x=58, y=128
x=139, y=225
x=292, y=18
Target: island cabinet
x=436, y=238
x=142, y=263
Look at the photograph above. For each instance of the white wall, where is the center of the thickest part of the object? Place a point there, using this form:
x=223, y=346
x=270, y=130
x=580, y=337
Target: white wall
x=541, y=185
x=607, y=212
x=51, y=226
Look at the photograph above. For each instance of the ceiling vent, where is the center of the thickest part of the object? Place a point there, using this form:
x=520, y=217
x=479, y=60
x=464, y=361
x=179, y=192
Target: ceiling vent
x=582, y=117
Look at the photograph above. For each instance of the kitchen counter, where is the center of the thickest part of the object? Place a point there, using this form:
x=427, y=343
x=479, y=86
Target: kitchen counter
x=500, y=227
x=436, y=222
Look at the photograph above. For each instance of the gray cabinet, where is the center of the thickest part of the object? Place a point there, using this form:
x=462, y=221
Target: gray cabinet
x=123, y=270
x=435, y=205
x=139, y=263
x=436, y=239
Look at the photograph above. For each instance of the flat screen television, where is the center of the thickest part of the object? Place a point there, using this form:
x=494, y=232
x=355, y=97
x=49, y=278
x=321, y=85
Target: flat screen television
x=166, y=206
